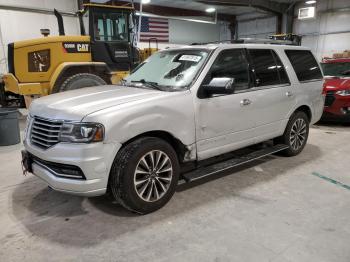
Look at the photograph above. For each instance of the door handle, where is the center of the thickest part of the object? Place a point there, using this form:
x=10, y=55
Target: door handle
x=245, y=102
x=289, y=94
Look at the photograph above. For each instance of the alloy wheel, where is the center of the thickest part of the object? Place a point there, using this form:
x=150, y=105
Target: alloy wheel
x=153, y=175
x=298, y=134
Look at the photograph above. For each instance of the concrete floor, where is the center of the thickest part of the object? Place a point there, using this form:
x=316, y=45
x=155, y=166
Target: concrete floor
x=272, y=210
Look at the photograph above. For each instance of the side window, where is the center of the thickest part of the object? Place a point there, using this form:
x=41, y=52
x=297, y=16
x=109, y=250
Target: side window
x=284, y=79
x=231, y=63
x=304, y=64
x=264, y=67
x=110, y=27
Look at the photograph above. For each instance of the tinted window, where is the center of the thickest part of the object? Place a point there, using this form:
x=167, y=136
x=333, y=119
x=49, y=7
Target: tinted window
x=231, y=63
x=281, y=70
x=304, y=64
x=264, y=67
x=336, y=69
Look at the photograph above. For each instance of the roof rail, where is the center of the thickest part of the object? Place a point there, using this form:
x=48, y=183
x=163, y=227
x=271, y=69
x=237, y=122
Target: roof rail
x=250, y=41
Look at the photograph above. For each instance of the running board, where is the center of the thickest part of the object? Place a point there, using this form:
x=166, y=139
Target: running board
x=233, y=162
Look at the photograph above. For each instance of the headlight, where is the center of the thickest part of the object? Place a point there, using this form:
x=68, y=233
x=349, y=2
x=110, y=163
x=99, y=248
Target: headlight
x=28, y=122
x=343, y=92
x=81, y=132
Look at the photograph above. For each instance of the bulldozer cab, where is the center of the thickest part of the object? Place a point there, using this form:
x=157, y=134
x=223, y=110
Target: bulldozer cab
x=112, y=36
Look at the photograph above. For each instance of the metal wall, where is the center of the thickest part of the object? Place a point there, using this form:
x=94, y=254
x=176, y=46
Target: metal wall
x=329, y=32
x=326, y=34
x=256, y=27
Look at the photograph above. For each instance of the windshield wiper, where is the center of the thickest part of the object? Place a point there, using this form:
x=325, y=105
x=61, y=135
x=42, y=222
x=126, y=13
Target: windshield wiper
x=150, y=84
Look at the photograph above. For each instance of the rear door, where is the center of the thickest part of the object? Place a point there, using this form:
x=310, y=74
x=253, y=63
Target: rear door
x=310, y=79
x=274, y=96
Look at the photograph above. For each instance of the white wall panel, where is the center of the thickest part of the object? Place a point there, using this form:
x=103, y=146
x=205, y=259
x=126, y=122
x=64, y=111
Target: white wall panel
x=329, y=32
x=258, y=28
x=184, y=32
x=63, y=5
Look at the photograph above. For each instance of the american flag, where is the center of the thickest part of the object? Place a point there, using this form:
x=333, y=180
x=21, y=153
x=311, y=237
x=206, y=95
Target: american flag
x=154, y=28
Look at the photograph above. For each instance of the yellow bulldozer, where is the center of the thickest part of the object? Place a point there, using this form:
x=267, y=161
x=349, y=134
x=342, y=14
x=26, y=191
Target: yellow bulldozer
x=104, y=53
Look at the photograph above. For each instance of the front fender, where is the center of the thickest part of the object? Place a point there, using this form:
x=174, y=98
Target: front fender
x=173, y=114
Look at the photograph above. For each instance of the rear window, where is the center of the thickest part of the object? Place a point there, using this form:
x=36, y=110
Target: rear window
x=304, y=64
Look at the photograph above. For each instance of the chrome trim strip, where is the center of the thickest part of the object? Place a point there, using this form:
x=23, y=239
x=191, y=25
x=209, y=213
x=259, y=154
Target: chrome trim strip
x=55, y=173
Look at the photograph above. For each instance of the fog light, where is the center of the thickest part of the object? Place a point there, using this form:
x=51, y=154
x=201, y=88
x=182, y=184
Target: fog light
x=345, y=110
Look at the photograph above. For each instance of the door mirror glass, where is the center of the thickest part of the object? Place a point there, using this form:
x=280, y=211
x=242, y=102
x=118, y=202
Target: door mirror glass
x=220, y=86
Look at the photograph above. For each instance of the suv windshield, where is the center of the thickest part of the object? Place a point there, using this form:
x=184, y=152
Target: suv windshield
x=169, y=70
x=336, y=69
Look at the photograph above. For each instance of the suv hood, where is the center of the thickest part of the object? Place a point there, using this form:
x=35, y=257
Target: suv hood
x=75, y=105
x=337, y=83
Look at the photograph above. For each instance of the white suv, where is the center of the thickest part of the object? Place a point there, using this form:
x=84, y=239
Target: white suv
x=179, y=108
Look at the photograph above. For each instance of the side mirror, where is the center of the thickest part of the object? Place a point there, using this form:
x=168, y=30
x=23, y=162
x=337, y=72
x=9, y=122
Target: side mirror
x=220, y=86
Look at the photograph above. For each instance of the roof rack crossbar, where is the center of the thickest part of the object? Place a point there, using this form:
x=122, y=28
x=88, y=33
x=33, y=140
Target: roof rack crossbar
x=250, y=41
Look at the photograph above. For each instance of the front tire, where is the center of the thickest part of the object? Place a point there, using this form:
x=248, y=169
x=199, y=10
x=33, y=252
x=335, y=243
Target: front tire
x=80, y=81
x=144, y=175
x=295, y=134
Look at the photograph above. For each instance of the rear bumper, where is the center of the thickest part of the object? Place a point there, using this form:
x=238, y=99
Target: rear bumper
x=12, y=85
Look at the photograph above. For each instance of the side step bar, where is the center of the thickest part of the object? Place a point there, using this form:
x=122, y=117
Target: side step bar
x=233, y=162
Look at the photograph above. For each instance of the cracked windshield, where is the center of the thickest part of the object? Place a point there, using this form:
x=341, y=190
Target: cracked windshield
x=168, y=70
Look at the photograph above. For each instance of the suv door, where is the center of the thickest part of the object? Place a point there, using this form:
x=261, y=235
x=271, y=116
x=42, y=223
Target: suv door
x=274, y=96
x=225, y=122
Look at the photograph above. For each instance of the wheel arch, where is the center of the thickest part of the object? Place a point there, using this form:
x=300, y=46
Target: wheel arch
x=306, y=109
x=68, y=69
x=181, y=149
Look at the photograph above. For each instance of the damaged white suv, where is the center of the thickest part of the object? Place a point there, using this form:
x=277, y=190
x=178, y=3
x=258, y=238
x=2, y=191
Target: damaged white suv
x=177, y=110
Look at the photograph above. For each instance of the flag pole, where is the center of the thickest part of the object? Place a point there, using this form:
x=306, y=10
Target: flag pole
x=139, y=29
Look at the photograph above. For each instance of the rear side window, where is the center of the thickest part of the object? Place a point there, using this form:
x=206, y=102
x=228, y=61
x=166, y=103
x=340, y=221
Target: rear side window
x=268, y=68
x=304, y=64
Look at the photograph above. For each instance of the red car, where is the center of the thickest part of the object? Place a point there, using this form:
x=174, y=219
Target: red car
x=337, y=89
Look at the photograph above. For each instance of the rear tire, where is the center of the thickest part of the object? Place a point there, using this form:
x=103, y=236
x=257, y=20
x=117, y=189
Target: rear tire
x=144, y=175
x=80, y=81
x=295, y=134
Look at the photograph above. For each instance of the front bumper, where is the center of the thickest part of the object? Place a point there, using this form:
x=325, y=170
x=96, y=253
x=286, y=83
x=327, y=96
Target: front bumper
x=335, y=117
x=12, y=85
x=94, y=160
x=338, y=108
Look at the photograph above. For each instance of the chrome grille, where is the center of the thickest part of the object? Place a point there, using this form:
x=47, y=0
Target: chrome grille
x=44, y=132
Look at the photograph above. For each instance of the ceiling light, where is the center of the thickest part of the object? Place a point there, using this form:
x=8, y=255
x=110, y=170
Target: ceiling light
x=145, y=1
x=210, y=10
x=310, y=2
